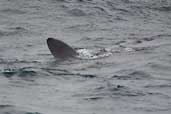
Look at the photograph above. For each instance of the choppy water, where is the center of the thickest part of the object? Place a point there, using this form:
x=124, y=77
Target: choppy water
x=135, y=77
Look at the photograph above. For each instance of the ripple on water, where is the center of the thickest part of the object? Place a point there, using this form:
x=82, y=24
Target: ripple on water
x=132, y=75
x=21, y=72
x=110, y=91
x=63, y=73
x=158, y=86
x=10, y=109
x=163, y=8
x=77, y=12
x=5, y=106
x=146, y=39
x=16, y=61
x=12, y=11
x=159, y=66
x=13, y=31
x=120, y=90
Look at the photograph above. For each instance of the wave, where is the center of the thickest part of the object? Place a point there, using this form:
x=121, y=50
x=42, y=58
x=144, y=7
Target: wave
x=10, y=109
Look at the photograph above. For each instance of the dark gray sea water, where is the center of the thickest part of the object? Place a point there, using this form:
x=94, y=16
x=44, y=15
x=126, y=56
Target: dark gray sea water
x=128, y=69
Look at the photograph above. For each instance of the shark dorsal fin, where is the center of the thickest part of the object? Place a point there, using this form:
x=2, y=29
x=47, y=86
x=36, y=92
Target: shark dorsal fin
x=59, y=49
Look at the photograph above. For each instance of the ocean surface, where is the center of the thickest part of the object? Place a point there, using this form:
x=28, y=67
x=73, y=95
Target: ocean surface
x=125, y=46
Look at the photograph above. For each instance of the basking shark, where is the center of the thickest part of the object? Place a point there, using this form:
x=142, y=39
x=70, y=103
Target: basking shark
x=59, y=49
